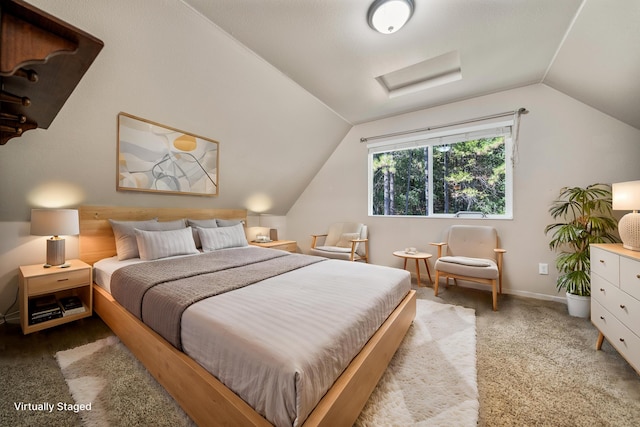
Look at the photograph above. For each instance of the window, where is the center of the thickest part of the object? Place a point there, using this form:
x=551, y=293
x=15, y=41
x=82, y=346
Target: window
x=462, y=172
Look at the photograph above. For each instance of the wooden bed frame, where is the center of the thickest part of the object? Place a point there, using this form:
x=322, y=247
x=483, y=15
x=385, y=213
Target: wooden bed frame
x=205, y=399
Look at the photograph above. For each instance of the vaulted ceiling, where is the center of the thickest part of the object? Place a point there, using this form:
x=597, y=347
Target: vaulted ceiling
x=584, y=48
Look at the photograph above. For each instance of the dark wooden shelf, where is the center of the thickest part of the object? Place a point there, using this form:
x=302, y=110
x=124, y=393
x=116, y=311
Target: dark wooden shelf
x=42, y=60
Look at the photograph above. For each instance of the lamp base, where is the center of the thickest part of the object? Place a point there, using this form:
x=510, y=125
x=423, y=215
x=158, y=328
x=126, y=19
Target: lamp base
x=629, y=229
x=55, y=251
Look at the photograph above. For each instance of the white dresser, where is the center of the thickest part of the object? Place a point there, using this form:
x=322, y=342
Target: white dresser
x=615, y=299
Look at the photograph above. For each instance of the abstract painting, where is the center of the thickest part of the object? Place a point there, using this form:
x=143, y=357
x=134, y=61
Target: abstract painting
x=157, y=158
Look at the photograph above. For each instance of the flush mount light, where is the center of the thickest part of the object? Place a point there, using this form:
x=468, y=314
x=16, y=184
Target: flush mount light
x=388, y=16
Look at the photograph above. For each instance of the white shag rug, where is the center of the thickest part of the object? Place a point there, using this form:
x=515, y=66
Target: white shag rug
x=431, y=380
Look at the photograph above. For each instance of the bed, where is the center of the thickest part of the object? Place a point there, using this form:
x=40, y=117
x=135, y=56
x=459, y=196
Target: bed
x=202, y=395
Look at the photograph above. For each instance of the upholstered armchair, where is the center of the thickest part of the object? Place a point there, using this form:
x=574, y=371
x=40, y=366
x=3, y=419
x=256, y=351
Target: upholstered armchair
x=470, y=252
x=344, y=240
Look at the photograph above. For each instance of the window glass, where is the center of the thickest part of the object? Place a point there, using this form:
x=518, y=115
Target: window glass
x=465, y=175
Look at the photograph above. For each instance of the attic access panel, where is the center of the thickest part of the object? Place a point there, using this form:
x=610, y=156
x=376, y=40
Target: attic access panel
x=430, y=73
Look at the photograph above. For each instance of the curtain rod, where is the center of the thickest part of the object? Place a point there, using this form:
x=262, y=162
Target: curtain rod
x=462, y=122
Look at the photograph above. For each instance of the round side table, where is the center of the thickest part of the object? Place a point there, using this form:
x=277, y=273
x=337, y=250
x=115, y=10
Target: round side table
x=417, y=256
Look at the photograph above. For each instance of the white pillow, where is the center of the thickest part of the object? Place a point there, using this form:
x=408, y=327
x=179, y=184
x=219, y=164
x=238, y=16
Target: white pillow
x=222, y=237
x=161, y=244
x=202, y=223
x=126, y=246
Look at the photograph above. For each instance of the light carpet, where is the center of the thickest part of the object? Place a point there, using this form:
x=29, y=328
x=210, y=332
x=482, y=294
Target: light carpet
x=431, y=380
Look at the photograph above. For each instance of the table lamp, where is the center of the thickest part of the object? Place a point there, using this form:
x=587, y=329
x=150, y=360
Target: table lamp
x=626, y=197
x=56, y=223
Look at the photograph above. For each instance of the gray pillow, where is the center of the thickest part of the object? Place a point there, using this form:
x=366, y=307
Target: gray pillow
x=228, y=222
x=123, y=231
x=202, y=223
x=167, y=225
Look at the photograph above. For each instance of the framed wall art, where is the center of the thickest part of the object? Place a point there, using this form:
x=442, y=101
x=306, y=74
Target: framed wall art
x=158, y=158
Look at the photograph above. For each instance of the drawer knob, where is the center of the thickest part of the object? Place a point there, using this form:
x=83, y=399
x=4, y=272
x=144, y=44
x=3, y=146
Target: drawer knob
x=622, y=306
x=601, y=289
x=638, y=276
x=621, y=339
x=602, y=317
x=602, y=261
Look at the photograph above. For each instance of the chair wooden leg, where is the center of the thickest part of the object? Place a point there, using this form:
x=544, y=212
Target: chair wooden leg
x=435, y=284
x=494, y=292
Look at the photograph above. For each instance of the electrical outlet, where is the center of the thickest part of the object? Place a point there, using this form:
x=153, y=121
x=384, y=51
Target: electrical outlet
x=543, y=268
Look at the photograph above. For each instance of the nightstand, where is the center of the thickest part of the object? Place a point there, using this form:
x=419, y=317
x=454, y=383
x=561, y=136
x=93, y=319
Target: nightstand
x=283, y=245
x=38, y=283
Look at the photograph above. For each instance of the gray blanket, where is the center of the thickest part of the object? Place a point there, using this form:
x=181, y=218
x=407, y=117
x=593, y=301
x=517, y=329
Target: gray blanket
x=159, y=292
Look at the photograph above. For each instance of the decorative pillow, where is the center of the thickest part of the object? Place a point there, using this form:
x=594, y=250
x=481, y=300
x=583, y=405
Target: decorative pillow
x=222, y=237
x=167, y=225
x=200, y=223
x=346, y=238
x=203, y=223
x=126, y=246
x=161, y=244
x=228, y=222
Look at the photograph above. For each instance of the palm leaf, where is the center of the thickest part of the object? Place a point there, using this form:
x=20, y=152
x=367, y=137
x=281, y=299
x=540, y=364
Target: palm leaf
x=585, y=218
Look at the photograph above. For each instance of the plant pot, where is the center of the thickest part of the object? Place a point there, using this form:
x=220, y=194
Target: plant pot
x=579, y=306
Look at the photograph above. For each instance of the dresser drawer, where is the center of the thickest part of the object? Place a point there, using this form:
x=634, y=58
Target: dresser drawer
x=614, y=300
x=625, y=341
x=630, y=276
x=606, y=264
x=55, y=282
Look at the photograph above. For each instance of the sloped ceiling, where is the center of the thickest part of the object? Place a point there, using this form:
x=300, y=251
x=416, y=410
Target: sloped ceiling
x=584, y=48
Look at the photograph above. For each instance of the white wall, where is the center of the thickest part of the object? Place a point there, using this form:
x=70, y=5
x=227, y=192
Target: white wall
x=562, y=143
x=164, y=62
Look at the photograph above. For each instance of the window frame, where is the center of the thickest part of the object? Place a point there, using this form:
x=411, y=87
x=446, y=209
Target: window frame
x=447, y=137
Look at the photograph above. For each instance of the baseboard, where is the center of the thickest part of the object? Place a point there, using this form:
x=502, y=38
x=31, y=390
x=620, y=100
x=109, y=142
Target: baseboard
x=525, y=294
x=535, y=295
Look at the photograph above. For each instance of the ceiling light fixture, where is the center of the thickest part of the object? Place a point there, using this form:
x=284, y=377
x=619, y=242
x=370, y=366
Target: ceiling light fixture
x=388, y=16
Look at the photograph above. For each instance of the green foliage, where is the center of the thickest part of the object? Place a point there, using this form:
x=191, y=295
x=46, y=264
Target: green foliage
x=585, y=215
x=467, y=176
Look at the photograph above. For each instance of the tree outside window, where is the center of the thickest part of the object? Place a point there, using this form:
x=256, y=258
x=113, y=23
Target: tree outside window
x=430, y=178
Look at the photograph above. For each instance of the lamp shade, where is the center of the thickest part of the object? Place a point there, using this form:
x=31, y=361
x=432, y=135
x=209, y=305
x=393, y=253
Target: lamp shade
x=388, y=16
x=54, y=222
x=626, y=196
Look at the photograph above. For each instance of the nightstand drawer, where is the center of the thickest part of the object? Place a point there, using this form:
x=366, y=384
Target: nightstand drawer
x=290, y=247
x=606, y=264
x=58, y=281
x=283, y=245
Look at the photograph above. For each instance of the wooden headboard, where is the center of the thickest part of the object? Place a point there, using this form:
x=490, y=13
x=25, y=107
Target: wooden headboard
x=96, y=236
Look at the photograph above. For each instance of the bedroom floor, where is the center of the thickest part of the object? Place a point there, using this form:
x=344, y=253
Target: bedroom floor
x=536, y=365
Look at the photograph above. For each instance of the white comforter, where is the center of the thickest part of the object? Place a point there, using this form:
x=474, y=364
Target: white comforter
x=281, y=343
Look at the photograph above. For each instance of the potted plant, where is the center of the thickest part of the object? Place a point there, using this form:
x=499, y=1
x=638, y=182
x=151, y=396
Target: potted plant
x=584, y=216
